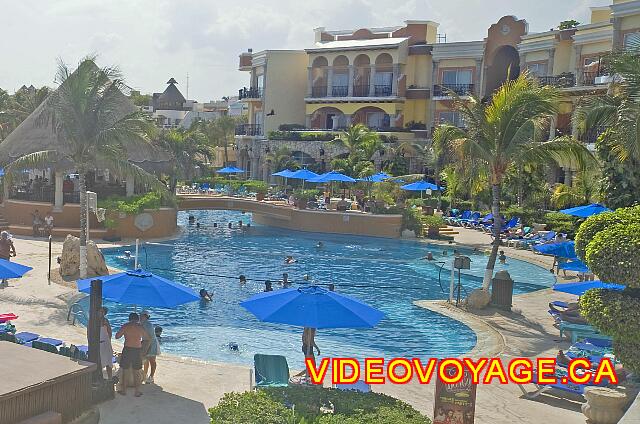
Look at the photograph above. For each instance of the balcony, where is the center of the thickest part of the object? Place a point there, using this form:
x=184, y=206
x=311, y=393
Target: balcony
x=319, y=91
x=250, y=130
x=361, y=90
x=563, y=80
x=250, y=93
x=447, y=90
x=340, y=90
x=384, y=90
x=591, y=77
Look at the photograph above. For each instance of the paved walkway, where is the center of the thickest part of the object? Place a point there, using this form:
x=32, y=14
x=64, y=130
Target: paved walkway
x=186, y=388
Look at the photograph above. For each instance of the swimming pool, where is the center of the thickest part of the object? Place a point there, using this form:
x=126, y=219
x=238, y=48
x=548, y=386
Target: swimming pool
x=387, y=274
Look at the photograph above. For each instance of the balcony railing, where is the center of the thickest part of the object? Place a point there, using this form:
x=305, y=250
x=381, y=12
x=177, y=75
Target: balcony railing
x=589, y=77
x=319, y=91
x=249, y=129
x=445, y=90
x=562, y=81
x=382, y=90
x=250, y=93
x=340, y=90
x=361, y=90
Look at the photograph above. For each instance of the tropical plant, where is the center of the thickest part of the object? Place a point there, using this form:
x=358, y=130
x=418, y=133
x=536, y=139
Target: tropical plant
x=359, y=140
x=503, y=131
x=219, y=132
x=281, y=159
x=615, y=118
x=568, y=24
x=15, y=109
x=188, y=149
x=83, y=113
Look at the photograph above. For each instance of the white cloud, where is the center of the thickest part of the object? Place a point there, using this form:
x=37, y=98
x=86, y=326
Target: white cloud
x=152, y=40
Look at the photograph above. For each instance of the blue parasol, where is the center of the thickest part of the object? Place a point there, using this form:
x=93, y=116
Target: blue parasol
x=312, y=307
x=286, y=173
x=332, y=176
x=586, y=211
x=10, y=269
x=420, y=186
x=230, y=170
x=375, y=178
x=580, y=288
x=139, y=287
x=576, y=265
x=563, y=249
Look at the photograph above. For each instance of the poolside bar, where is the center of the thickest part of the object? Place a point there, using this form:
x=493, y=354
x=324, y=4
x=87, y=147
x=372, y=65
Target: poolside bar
x=35, y=382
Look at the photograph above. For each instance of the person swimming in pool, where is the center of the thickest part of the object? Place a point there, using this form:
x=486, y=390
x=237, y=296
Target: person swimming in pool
x=192, y=219
x=429, y=256
x=243, y=280
x=502, y=258
x=205, y=295
x=289, y=260
x=319, y=245
x=285, y=280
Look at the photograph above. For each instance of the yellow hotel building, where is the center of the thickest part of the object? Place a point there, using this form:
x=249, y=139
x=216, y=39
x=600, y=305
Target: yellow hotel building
x=398, y=80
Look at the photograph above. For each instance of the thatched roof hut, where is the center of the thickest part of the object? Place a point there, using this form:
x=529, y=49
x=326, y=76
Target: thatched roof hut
x=33, y=136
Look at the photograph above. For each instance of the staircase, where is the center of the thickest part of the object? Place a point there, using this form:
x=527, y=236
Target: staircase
x=446, y=230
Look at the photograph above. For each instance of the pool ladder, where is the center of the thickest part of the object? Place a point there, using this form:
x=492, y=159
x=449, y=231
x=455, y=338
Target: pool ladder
x=457, y=287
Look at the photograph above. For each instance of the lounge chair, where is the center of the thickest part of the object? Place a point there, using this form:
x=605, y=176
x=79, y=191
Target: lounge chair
x=578, y=331
x=7, y=317
x=6, y=337
x=26, y=337
x=44, y=346
x=456, y=220
x=576, y=389
x=473, y=219
x=270, y=371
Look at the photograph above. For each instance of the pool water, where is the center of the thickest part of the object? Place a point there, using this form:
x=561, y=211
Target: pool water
x=385, y=273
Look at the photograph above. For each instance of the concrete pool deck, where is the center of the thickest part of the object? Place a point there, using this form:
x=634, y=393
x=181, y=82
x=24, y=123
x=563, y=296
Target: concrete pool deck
x=186, y=388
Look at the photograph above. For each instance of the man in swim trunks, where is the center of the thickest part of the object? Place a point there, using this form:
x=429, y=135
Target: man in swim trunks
x=134, y=334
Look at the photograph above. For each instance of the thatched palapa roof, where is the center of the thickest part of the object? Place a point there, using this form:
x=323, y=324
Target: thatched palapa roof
x=32, y=136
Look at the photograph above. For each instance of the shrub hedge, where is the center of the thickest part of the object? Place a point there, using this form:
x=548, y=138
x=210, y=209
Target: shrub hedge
x=350, y=407
x=301, y=136
x=597, y=223
x=132, y=205
x=612, y=254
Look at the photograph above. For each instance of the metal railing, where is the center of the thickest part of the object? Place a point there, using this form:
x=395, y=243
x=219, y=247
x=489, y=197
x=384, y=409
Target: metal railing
x=319, y=91
x=383, y=90
x=340, y=90
x=444, y=90
x=589, y=77
x=361, y=90
x=563, y=80
x=250, y=93
x=249, y=129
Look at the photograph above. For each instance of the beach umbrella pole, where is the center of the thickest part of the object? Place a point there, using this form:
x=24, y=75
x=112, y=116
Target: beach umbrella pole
x=49, y=273
x=135, y=266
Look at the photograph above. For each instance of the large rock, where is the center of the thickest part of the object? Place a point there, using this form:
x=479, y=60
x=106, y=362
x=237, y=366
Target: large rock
x=70, y=259
x=478, y=299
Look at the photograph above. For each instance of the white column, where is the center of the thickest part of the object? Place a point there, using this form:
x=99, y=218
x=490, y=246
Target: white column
x=478, y=78
x=347, y=120
x=394, y=79
x=130, y=184
x=58, y=197
x=579, y=68
x=330, y=81
x=372, y=81
x=551, y=61
x=350, y=89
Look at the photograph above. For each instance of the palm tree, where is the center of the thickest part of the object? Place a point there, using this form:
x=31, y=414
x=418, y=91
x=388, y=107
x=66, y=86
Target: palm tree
x=85, y=114
x=359, y=140
x=187, y=148
x=503, y=131
x=219, y=133
x=280, y=159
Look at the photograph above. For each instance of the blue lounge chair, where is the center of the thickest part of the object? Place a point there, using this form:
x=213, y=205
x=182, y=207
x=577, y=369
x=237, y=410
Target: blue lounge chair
x=474, y=218
x=26, y=337
x=44, y=346
x=464, y=216
x=270, y=371
x=578, y=331
x=576, y=389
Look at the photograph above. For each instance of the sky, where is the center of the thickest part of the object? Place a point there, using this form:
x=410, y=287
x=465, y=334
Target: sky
x=153, y=40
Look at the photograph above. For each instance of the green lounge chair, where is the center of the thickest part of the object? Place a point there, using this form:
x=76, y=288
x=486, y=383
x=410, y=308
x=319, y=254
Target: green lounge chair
x=270, y=371
x=47, y=347
x=578, y=331
x=6, y=337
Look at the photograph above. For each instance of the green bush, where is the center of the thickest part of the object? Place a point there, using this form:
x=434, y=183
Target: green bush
x=305, y=194
x=527, y=216
x=596, y=223
x=432, y=221
x=301, y=136
x=132, y=205
x=290, y=127
x=612, y=254
x=415, y=202
x=256, y=186
x=350, y=407
x=412, y=220
x=616, y=314
x=249, y=408
x=560, y=223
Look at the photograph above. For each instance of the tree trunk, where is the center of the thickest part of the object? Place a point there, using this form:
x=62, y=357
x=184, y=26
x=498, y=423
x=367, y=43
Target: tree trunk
x=83, y=223
x=439, y=193
x=520, y=186
x=497, y=229
x=226, y=153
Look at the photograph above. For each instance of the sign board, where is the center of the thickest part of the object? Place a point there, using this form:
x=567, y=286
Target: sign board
x=455, y=403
